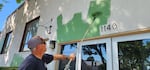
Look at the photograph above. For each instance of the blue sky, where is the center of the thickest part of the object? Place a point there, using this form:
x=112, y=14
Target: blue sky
x=8, y=8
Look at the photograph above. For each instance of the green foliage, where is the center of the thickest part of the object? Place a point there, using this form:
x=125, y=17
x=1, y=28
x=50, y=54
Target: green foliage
x=5, y=1
x=1, y=5
x=19, y=1
x=8, y=68
x=134, y=55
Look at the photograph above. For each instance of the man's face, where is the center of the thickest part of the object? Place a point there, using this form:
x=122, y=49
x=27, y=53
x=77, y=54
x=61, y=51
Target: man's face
x=41, y=48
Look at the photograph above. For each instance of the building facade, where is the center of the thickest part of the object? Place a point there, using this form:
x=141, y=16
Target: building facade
x=104, y=34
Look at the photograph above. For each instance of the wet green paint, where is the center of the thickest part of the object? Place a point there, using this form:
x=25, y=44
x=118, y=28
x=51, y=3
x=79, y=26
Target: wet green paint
x=76, y=28
x=17, y=59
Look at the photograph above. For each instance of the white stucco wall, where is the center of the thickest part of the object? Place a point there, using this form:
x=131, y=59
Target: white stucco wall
x=16, y=22
x=129, y=15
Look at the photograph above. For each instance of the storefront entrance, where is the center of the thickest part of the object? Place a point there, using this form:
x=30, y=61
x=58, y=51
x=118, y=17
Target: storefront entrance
x=130, y=52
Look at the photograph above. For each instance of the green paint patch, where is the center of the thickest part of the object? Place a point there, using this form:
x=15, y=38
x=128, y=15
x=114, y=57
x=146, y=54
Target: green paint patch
x=75, y=29
x=17, y=59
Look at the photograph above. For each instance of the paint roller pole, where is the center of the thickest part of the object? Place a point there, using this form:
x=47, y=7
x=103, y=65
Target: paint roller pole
x=68, y=65
x=94, y=15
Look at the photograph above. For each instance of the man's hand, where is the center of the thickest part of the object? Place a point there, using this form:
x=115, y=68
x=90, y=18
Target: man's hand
x=72, y=56
x=64, y=57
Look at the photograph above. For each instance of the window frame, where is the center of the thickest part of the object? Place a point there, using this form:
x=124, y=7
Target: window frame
x=107, y=41
x=6, y=42
x=116, y=40
x=25, y=34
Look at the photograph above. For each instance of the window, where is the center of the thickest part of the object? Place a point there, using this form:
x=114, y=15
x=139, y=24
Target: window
x=134, y=55
x=94, y=57
x=30, y=31
x=1, y=43
x=7, y=41
x=67, y=50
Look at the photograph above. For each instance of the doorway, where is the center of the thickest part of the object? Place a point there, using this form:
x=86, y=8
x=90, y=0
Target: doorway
x=94, y=55
x=131, y=52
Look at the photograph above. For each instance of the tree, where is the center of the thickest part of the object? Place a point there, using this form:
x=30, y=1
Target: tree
x=134, y=55
x=5, y=1
x=95, y=50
